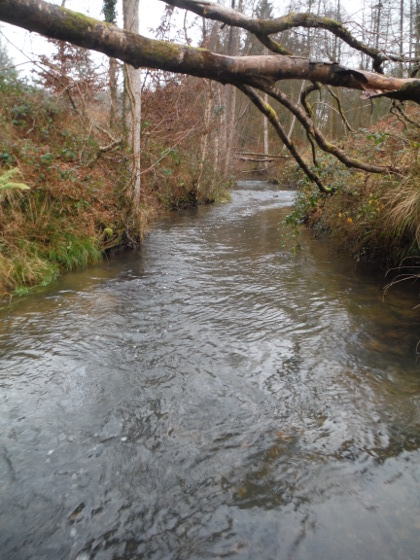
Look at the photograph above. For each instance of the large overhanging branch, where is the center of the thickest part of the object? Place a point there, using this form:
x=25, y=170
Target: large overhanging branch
x=59, y=23
x=313, y=133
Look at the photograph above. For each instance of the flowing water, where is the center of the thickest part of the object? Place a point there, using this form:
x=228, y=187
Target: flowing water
x=213, y=396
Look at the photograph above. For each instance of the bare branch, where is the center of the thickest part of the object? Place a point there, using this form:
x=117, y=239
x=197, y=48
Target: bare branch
x=321, y=141
x=271, y=115
x=340, y=109
x=397, y=107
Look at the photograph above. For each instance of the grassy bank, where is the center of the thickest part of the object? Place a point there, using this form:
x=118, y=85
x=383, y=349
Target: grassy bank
x=64, y=184
x=60, y=193
x=370, y=216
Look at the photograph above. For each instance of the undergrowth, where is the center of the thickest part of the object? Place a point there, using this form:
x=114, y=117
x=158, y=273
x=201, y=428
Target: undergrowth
x=60, y=196
x=371, y=216
x=65, y=197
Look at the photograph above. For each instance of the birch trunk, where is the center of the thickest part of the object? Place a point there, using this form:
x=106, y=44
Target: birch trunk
x=265, y=134
x=133, y=94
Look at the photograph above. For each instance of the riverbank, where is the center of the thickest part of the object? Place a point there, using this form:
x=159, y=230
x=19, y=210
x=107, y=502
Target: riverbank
x=65, y=195
x=60, y=189
x=65, y=198
x=371, y=217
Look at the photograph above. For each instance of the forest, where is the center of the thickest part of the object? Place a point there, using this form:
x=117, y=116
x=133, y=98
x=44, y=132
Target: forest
x=305, y=94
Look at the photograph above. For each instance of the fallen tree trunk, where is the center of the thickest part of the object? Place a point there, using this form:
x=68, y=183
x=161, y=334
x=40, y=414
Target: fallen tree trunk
x=261, y=159
x=59, y=23
x=257, y=156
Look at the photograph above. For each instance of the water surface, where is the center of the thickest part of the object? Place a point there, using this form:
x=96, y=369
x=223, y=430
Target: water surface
x=213, y=396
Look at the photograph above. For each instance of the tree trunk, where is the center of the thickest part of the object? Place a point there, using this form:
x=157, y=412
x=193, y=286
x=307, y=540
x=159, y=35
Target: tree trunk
x=109, y=11
x=257, y=71
x=204, y=141
x=133, y=94
x=265, y=134
x=231, y=98
x=293, y=122
x=401, y=37
x=113, y=91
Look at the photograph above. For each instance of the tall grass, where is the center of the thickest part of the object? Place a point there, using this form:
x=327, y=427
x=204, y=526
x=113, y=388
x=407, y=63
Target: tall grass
x=402, y=217
x=71, y=252
x=22, y=266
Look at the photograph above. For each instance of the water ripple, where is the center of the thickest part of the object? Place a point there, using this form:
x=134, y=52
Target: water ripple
x=213, y=396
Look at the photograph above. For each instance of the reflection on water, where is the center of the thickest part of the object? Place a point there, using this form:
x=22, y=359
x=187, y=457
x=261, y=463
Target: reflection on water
x=213, y=396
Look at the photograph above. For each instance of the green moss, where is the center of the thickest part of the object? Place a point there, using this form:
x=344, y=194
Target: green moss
x=79, y=23
x=269, y=109
x=329, y=22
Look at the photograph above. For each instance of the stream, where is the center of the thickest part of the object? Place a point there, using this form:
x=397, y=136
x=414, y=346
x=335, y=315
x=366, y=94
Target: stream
x=215, y=395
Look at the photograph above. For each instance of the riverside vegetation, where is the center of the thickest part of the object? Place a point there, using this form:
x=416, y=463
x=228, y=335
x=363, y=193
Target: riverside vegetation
x=64, y=199
x=66, y=209
x=64, y=195
x=372, y=217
